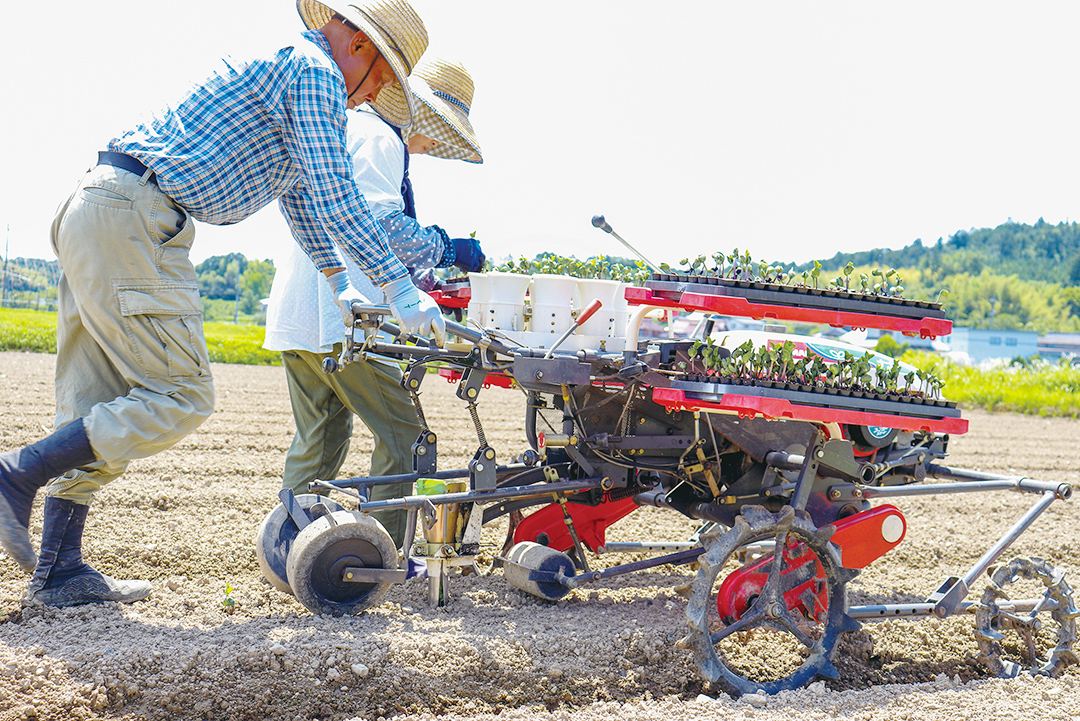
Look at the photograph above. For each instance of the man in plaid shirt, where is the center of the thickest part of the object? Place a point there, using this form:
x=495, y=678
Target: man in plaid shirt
x=132, y=371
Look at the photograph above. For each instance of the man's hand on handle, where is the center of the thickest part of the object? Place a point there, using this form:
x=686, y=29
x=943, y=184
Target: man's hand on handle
x=345, y=293
x=415, y=311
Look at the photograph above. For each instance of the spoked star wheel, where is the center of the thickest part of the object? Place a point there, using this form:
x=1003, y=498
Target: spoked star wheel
x=1012, y=636
x=786, y=634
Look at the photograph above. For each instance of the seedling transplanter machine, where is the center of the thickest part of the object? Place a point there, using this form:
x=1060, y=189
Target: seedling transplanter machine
x=789, y=450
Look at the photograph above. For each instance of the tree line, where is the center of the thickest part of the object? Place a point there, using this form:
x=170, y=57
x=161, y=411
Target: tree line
x=236, y=279
x=1043, y=252
x=1014, y=276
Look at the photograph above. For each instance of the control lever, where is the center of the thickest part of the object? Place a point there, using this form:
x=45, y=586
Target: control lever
x=365, y=316
x=583, y=316
x=599, y=222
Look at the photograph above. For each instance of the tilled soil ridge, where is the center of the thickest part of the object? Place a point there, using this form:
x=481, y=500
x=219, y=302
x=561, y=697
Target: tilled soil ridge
x=187, y=518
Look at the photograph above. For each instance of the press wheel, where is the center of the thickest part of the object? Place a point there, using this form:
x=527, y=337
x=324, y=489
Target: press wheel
x=276, y=535
x=321, y=553
x=1012, y=640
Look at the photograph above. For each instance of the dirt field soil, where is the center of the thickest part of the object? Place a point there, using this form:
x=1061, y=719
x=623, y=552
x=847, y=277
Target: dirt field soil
x=187, y=518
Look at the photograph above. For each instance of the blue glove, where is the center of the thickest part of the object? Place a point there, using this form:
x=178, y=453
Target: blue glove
x=467, y=254
x=415, y=311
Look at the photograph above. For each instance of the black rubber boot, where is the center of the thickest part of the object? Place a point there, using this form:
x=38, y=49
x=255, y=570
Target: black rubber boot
x=61, y=577
x=23, y=472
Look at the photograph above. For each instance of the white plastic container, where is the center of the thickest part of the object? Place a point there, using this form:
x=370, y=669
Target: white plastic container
x=622, y=312
x=505, y=306
x=551, y=298
x=602, y=322
x=479, y=296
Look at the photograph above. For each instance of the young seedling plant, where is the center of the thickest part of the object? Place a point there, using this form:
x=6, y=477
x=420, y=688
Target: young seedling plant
x=228, y=603
x=776, y=363
x=593, y=268
x=739, y=266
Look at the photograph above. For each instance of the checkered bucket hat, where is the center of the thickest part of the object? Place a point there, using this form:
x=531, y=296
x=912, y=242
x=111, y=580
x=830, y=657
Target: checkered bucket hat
x=445, y=92
x=398, y=33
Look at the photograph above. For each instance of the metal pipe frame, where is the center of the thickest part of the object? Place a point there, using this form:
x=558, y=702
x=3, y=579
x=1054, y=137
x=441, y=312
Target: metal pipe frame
x=959, y=590
x=499, y=494
x=1062, y=491
x=922, y=610
x=951, y=599
x=359, y=481
x=1021, y=483
x=966, y=481
x=645, y=547
x=674, y=559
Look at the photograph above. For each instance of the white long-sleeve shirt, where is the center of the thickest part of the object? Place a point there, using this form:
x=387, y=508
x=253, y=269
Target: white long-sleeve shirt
x=302, y=312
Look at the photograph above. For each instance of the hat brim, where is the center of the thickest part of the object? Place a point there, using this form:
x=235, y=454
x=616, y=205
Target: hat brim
x=469, y=148
x=395, y=103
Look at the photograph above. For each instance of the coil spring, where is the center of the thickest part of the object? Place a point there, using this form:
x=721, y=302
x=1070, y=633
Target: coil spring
x=476, y=422
x=419, y=411
x=619, y=494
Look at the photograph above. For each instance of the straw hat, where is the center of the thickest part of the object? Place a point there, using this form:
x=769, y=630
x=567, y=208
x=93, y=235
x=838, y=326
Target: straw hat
x=398, y=33
x=445, y=92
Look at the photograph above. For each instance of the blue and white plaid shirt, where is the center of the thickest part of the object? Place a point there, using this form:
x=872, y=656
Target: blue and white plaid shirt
x=268, y=128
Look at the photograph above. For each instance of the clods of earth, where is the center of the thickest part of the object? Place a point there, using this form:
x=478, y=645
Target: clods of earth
x=216, y=641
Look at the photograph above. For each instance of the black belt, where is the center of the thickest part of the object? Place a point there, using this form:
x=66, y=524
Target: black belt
x=124, y=162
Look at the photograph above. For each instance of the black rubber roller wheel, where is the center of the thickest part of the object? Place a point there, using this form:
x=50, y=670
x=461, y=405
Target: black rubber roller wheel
x=872, y=436
x=329, y=545
x=276, y=535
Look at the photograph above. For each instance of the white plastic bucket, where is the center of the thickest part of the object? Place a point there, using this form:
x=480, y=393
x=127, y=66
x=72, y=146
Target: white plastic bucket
x=479, y=295
x=551, y=297
x=602, y=322
x=505, y=306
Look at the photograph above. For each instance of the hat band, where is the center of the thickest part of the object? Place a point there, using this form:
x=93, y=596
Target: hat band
x=389, y=38
x=451, y=99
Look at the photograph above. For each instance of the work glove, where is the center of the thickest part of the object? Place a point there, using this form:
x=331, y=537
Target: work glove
x=414, y=310
x=345, y=293
x=468, y=255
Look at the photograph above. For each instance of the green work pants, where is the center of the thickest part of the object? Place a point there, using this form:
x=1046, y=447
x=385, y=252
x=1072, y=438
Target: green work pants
x=323, y=405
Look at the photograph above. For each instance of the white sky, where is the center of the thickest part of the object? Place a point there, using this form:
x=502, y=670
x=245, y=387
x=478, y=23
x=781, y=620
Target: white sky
x=796, y=129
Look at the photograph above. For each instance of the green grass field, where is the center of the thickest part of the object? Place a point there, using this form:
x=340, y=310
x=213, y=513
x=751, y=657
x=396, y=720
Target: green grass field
x=1036, y=388
x=35, y=331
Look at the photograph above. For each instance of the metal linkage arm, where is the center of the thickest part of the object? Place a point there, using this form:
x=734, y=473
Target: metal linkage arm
x=948, y=599
x=958, y=591
x=499, y=494
x=1020, y=483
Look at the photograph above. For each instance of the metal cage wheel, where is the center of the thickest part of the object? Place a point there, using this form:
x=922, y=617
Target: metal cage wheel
x=276, y=535
x=771, y=647
x=331, y=544
x=1041, y=649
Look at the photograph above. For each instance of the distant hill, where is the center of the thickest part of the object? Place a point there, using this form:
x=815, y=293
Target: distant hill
x=1043, y=252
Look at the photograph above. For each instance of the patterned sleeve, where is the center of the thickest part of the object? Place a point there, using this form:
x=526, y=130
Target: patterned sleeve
x=418, y=246
x=328, y=197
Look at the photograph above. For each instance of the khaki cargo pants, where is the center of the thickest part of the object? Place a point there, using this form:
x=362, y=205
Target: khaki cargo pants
x=131, y=358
